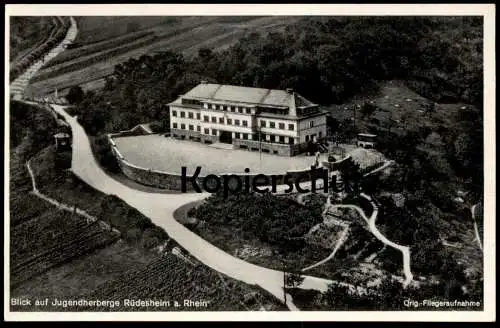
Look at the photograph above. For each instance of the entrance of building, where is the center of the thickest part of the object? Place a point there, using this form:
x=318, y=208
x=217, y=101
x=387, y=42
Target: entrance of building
x=226, y=137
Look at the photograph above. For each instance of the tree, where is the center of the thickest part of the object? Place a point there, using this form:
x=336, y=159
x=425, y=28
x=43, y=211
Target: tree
x=351, y=175
x=367, y=109
x=75, y=95
x=293, y=279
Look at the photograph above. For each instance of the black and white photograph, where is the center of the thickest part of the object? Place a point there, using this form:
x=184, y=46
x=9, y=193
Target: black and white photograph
x=206, y=161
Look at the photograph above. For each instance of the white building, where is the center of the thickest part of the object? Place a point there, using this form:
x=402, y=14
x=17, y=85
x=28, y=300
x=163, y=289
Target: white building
x=275, y=121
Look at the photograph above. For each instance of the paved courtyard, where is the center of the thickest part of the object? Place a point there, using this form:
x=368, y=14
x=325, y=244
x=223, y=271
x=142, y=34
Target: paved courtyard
x=166, y=154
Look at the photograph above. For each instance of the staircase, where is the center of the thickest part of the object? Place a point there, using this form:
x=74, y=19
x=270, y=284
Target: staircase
x=323, y=148
x=221, y=145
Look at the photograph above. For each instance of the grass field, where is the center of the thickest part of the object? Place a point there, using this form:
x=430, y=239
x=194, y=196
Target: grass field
x=169, y=155
x=118, y=40
x=399, y=109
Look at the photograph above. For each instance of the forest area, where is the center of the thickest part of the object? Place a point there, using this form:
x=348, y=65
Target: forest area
x=329, y=60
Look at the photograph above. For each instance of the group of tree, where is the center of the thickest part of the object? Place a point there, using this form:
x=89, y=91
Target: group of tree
x=326, y=59
x=280, y=222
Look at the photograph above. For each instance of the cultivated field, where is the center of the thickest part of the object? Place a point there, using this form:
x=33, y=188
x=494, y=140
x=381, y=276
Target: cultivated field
x=58, y=254
x=26, y=33
x=121, y=38
x=166, y=154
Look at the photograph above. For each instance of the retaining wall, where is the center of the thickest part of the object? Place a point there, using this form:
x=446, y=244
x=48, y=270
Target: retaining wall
x=173, y=181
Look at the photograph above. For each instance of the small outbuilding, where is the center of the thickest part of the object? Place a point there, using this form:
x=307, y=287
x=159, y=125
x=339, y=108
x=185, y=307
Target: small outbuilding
x=63, y=141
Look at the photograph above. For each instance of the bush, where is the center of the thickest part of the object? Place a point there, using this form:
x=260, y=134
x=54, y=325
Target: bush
x=104, y=154
x=136, y=228
x=157, y=127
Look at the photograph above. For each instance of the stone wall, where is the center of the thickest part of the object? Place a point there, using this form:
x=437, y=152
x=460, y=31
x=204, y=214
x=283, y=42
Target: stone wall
x=173, y=181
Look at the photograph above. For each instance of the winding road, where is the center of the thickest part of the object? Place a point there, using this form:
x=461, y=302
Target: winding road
x=160, y=208
x=18, y=86
x=371, y=221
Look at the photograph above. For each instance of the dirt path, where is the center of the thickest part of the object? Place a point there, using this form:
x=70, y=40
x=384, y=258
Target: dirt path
x=386, y=164
x=160, y=208
x=65, y=207
x=476, y=230
x=18, y=86
x=340, y=242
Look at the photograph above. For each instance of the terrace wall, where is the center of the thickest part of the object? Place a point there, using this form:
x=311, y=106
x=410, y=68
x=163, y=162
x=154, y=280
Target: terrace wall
x=173, y=181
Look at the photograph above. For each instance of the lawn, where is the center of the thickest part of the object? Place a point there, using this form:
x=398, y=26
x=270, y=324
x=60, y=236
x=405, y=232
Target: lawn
x=169, y=155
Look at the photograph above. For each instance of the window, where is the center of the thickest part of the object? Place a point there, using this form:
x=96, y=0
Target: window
x=281, y=126
x=291, y=141
x=221, y=120
x=291, y=127
x=319, y=134
x=190, y=115
x=198, y=128
x=249, y=111
x=174, y=125
x=183, y=126
x=237, y=135
x=198, y=116
x=240, y=110
x=205, y=118
x=245, y=123
x=307, y=138
x=214, y=132
x=183, y=114
x=225, y=108
x=174, y=113
x=263, y=124
x=233, y=109
x=282, y=139
x=272, y=125
x=206, y=131
x=245, y=136
x=214, y=119
x=229, y=121
x=311, y=124
x=191, y=127
x=237, y=122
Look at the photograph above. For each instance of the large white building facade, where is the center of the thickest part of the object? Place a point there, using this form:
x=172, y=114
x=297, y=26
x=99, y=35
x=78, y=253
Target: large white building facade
x=272, y=121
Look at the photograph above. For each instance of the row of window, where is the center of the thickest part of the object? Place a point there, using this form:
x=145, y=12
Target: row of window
x=212, y=119
x=220, y=120
x=276, y=139
x=190, y=127
x=312, y=137
x=245, y=136
x=272, y=125
x=183, y=114
x=233, y=109
x=229, y=121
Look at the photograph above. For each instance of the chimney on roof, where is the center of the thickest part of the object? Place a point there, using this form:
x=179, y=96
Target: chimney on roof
x=203, y=82
x=289, y=90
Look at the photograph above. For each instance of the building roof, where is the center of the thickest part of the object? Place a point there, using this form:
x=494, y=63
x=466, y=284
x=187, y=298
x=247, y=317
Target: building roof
x=61, y=135
x=247, y=95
